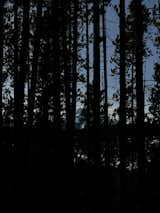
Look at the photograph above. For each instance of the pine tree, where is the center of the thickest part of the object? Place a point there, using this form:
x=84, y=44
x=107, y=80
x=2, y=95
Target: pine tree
x=96, y=64
x=105, y=65
x=155, y=96
x=75, y=57
x=16, y=38
x=122, y=113
x=67, y=63
x=23, y=69
x=36, y=46
x=1, y=56
x=87, y=64
x=130, y=52
x=56, y=16
x=139, y=30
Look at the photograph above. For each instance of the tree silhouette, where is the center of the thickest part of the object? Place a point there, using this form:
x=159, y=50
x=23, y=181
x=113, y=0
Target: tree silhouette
x=58, y=139
x=32, y=86
x=154, y=108
x=1, y=57
x=96, y=49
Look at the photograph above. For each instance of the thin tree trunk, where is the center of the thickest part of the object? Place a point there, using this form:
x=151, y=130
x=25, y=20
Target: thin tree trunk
x=132, y=109
x=46, y=88
x=56, y=12
x=67, y=37
x=32, y=89
x=140, y=95
x=107, y=173
x=96, y=65
x=74, y=71
x=15, y=63
x=122, y=115
x=87, y=66
x=132, y=90
x=96, y=194
x=20, y=76
x=3, y=154
x=24, y=53
x=96, y=81
x=105, y=67
x=1, y=57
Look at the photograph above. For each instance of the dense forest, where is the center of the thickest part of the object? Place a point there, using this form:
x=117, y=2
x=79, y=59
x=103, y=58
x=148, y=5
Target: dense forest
x=69, y=141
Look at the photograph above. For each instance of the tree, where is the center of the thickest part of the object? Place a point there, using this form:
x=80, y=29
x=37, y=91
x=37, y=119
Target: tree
x=2, y=147
x=56, y=15
x=130, y=53
x=36, y=46
x=87, y=64
x=105, y=65
x=67, y=63
x=20, y=71
x=139, y=30
x=84, y=111
x=96, y=64
x=122, y=113
x=15, y=63
x=155, y=91
x=23, y=69
x=132, y=78
x=74, y=69
x=1, y=56
x=155, y=96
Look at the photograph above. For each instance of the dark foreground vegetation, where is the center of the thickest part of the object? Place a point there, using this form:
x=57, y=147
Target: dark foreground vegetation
x=61, y=171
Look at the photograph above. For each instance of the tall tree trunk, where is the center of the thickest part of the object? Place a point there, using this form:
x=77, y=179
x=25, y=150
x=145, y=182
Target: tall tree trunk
x=1, y=57
x=3, y=165
x=46, y=88
x=140, y=94
x=132, y=82
x=24, y=67
x=74, y=70
x=19, y=81
x=20, y=73
x=96, y=80
x=107, y=176
x=36, y=46
x=87, y=65
x=122, y=114
x=56, y=12
x=96, y=107
x=67, y=63
x=16, y=87
x=96, y=65
x=63, y=148
x=105, y=66
x=56, y=66
x=15, y=63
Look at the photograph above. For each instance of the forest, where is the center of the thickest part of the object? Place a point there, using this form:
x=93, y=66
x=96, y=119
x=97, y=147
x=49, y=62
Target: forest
x=80, y=105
